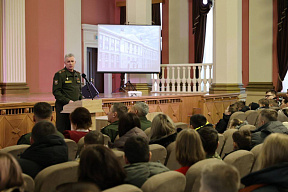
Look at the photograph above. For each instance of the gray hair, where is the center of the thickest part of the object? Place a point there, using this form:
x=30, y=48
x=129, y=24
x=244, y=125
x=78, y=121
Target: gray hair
x=69, y=55
x=220, y=177
x=142, y=108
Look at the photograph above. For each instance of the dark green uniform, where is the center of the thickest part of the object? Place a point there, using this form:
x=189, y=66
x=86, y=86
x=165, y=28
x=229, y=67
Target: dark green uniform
x=145, y=123
x=111, y=130
x=66, y=87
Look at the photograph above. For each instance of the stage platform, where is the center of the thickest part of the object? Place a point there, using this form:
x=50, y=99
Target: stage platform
x=16, y=111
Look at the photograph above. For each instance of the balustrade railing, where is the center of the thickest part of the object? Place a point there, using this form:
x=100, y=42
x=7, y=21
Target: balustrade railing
x=185, y=78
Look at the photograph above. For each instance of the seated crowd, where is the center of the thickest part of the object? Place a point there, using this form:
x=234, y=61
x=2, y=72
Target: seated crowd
x=132, y=133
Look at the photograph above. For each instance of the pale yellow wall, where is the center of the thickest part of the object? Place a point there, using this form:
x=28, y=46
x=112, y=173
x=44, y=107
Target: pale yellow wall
x=178, y=31
x=260, y=40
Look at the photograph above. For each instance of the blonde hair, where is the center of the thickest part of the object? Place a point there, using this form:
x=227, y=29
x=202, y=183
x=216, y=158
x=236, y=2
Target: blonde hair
x=189, y=149
x=10, y=172
x=161, y=126
x=274, y=150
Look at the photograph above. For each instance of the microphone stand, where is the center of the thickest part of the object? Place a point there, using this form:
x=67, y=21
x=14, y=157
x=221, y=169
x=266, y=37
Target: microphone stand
x=88, y=88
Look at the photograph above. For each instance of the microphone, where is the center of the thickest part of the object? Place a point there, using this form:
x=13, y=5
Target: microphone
x=84, y=77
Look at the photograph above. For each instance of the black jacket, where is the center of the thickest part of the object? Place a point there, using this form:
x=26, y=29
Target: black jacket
x=164, y=141
x=221, y=126
x=51, y=150
x=275, y=179
x=262, y=132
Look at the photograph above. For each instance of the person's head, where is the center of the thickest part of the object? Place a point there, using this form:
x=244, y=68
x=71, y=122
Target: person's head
x=271, y=94
x=273, y=103
x=161, y=126
x=240, y=105
x=233, y=108
x=189, y=149
x=266, y=116
x=242, y=140
x=69, y=61
x=209, y=138
x=136, y=150
x=127, y=122
x=274, y=150
x=263, y=102
x=42, y=111
x=94, y=137
x=10, y=172
x=219, y=177
x=99, y=165
x=254, y=106
x=41, y=130
x=80, y=118
x=140, y=108
x=234, y=123
x=284, y=102
x=116, y=111
x=197, y=121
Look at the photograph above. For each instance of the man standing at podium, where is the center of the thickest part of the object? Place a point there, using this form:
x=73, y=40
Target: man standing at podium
x=66, y=89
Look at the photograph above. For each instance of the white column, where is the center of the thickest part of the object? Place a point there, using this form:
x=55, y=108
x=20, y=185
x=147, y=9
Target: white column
x=72, y=30
x=13, y=68
x=140, y=13
x=227, y=49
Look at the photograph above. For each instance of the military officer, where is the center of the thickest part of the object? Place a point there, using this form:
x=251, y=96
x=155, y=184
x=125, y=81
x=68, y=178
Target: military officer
x=66, y=89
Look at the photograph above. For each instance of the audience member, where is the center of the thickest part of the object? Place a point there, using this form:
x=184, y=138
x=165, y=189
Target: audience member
x=263, y=103
x=271, y=94
x=198, y=121
x=99, y=165
x=236, y=124
x=189, y=149
x=128, y=127
x=219, y=177
x=241, y=141
x=273, y=158
x=47, y=149
x=284, y=102
x=163, y=131
x=254, y=106
x=273, y=104
x=266, y=124
x=81, y=121
x=94, y=137
x=221, y=126
x=42, y=112
x=141, y=109
x=137, y=157
x=11, y=178
x=242, y=106
x=116, y=111
x=210, y=141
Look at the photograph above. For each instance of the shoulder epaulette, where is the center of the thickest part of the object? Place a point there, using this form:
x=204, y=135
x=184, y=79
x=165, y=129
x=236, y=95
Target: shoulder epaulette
x=61, y=71
x=77, y=71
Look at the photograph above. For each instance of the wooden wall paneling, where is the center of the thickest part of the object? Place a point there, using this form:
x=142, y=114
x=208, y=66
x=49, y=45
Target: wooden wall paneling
x=153, y=108
x=175, y=111
x=2, y=132
x=187, y=105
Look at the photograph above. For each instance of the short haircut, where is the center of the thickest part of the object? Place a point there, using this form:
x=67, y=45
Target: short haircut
x=268, y=115
x=274, y=150
x=240, y=104
x=94, y=137
x=99, y=164
x=81, y=117
x=127, y=122
x=10, y=172
x=243, y=139
x=272, y=91
x=161, y=126
x=220, y=177
x=42, y=129
x=285, y=99
x=264, y=102
x=43, y=110
x=189, y=149
x=120, y=108
x=69, y=55
x=78, y=187
x=254, y=106
x=142, y=108
x=209, y=138
x=136, y=149
x=197, y=120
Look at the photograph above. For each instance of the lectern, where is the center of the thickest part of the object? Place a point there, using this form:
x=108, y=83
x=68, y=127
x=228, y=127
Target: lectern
x=93, y=106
